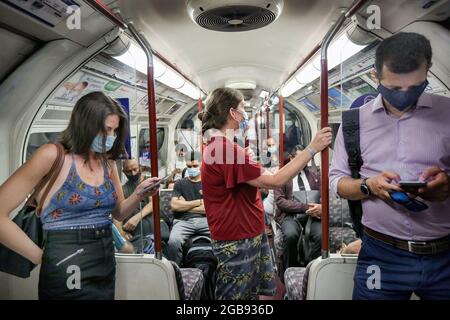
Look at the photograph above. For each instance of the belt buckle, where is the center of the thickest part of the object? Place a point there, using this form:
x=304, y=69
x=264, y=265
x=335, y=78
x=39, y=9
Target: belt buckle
x=418, y=243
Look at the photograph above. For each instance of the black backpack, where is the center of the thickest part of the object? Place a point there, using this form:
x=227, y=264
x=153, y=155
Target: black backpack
x=198, y=253
x=350, y=131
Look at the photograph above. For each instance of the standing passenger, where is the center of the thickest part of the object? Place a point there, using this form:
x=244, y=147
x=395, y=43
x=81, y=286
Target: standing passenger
x=233, y=204
x=405, y=135
x=76, y=216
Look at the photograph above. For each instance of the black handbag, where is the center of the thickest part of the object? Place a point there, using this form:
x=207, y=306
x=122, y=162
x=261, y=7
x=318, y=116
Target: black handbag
x=28, y=219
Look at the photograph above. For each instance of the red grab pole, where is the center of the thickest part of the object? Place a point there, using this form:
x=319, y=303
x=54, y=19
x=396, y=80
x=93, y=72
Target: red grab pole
x=281, y=142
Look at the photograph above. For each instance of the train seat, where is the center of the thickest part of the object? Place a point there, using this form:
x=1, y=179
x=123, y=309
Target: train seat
x=143, y=277
x=322, y=279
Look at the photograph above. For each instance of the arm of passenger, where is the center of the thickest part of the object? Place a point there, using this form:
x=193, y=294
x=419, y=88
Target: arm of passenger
x=287, y=205
x=14, y=191
x=284, y=175
x=199, y=209
x=179, y=204
x=125, y=207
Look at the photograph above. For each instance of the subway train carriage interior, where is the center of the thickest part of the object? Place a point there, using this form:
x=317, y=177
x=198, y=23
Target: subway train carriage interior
x=113, y=114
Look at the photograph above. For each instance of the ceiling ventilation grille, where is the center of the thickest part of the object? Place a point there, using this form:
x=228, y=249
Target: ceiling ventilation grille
x=234, y=15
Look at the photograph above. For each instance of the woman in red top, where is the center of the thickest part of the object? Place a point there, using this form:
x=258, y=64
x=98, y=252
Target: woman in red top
x=233, y=204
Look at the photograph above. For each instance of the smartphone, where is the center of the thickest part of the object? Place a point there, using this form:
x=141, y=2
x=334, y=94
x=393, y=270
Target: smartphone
x=409, y=203
x=154, y=185
x=412, y=184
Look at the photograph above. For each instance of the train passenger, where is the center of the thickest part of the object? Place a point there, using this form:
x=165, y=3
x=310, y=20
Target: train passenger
x=404, y=135
x=233, y=204
x=292, y=215
x=188, y=208
x=176, y=166
x=76, y=216
x=140, y=223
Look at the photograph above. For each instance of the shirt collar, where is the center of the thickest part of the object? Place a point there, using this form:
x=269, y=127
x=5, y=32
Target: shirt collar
x=424, y=101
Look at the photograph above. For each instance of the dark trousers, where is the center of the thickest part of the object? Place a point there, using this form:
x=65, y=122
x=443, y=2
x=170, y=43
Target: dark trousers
x=78, y=264
x=148, y=228
x=384, y=272
x=291, y=228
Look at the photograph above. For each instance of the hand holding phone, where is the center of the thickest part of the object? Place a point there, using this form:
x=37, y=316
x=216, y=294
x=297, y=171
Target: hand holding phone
x=155, y=185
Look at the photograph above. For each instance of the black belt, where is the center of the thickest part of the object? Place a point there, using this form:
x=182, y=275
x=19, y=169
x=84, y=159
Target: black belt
x=79, y=234
x=417, y=247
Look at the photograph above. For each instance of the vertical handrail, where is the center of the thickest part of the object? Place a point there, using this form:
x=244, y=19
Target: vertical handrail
x=153, y=136
x=324, y=123
x=268, y=121
x=258, y=153
x=117, y=20
x=324, y=119
x=200, y=109
x=281, y=142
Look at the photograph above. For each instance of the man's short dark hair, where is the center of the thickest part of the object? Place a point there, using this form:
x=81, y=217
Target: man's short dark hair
x=195, y=155
x=403, y=52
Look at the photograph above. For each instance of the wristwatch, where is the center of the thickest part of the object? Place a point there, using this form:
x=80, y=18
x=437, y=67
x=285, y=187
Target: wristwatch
x=365, y=188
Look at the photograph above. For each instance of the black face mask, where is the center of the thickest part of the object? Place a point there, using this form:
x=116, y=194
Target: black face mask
x=401, y=100
x=135, y=178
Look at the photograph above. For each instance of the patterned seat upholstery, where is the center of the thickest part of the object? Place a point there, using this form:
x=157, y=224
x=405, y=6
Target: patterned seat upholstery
x=340, y=224
x=164, y=199
x=193, y=283
x=340, y=230
x=189, y=282
x=296, y=282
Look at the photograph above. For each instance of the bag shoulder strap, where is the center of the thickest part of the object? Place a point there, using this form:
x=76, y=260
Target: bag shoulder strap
x=351, y=133
x=50, y=177
x=350, y=130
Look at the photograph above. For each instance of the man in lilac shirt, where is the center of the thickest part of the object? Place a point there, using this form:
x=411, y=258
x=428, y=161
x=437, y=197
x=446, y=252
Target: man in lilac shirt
x=404, y=135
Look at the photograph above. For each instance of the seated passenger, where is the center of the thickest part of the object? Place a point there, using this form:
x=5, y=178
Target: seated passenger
x=351, y=248
x=176, y=166
x=293, y=215
x=131, y=227
x=187, y=205
x=270, y=158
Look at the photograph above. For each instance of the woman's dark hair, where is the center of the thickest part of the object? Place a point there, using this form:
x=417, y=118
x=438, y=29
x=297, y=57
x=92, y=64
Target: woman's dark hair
x=218, y=105
x=88, y=120
x=403, y=52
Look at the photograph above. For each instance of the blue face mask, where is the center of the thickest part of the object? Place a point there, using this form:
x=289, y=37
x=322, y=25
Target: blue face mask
x=243, y=125
x=193, y=172
x=97, y=144
x=401, y=100
x=272, y=149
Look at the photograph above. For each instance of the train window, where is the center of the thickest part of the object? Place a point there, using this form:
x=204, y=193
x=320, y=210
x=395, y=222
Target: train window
x=37, y=139
x=144, y=144
x=188, y=130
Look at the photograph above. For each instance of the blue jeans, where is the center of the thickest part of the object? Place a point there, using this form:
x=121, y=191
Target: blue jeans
x=387, y=273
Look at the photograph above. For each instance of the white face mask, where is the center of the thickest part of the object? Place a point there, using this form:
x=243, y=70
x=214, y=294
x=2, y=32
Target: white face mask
x=180, y=164
x=272, y=149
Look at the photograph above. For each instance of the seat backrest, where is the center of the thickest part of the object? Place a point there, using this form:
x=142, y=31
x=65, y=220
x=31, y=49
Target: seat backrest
x=331, y=278
x=339, y=212
x=165, y=195
x=143, y=277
